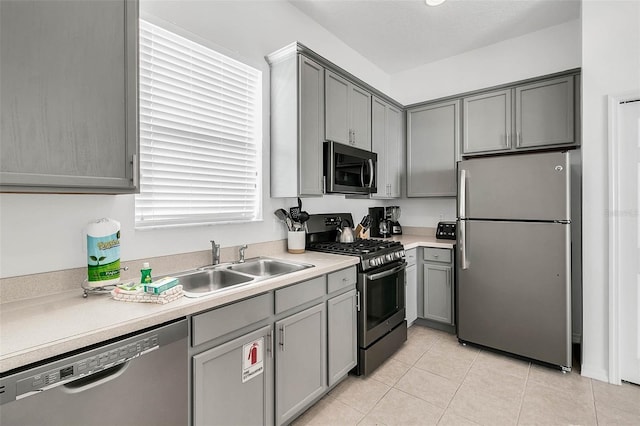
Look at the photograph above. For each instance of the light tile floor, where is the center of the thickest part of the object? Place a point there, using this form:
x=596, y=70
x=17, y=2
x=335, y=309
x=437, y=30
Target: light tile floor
x=433, y=380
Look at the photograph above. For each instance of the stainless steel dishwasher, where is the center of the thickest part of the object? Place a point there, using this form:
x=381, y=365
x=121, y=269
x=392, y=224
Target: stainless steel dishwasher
x=139, y=379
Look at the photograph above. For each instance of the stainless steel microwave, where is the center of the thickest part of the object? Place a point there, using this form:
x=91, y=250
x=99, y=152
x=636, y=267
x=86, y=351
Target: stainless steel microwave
x=349, y=170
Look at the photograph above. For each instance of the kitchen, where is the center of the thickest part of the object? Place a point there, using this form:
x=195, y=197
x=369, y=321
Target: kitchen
x=51, y=240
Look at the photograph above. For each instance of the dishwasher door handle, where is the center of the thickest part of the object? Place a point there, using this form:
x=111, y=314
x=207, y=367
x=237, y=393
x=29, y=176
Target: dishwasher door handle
x=96, y=379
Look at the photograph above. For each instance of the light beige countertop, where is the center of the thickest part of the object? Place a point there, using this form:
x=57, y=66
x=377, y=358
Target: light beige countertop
x=413, y=241
x=38, y=328
x=34, y=329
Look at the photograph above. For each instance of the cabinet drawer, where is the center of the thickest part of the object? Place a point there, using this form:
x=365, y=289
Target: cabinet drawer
x=410, y=257
x=298, y=294
x=341, y=279
x=437, y=255
x=218, y=322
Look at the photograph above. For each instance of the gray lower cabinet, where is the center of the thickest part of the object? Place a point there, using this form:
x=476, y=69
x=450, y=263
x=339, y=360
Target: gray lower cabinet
x=297, y=124
x=300, y=361
x=233, y=382
x=433, y=135
x=68, y=78
x=411, y=287
x=342, y=336
x=437, y=285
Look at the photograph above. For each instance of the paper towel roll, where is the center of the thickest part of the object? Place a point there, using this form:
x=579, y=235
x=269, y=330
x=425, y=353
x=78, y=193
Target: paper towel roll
x=103, y=252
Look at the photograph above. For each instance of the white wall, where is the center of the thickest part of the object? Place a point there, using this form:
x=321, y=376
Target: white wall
x=610, y=65
x=543, y=52
x=40, y=233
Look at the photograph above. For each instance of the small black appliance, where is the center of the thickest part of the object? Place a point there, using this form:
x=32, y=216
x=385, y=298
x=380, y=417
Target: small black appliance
x=446, y=231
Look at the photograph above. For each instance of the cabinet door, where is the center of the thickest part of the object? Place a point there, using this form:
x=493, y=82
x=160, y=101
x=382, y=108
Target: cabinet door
x=394, y=152
x=379, y=145
x=433, y=134
x=68, y=78
x=545, y=113
x=233, y=382
x=311, y=137
x=342, y=335
x=438, y=293
x=487, y=122
x=300, y=361
x=337, y=108
x=411, y=294
x=360, y=117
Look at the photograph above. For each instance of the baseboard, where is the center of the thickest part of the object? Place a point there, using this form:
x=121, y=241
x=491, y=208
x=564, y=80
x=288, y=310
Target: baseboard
x=594, y=373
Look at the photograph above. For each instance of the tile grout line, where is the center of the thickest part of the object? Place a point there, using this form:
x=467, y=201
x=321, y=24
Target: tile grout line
x=593, y=397
x=524, y=391
x=458, y=388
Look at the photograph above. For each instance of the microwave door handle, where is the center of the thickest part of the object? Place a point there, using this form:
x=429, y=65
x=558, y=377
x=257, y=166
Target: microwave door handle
x=362, y=175
x=371, y=175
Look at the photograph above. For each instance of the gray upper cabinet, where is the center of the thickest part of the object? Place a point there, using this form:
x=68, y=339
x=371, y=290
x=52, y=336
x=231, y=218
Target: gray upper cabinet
x=538, y=115
x=348, y=112
x=297, y=124
x=545, y=113
x=487, y=122
x=68, y=78
x=387, y=143
x=433, y=133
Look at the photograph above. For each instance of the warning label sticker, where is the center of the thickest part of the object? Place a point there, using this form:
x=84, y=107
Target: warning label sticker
x=252, y=359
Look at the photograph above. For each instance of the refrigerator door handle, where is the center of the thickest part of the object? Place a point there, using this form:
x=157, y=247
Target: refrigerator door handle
x=463, y=244
x=462, y=195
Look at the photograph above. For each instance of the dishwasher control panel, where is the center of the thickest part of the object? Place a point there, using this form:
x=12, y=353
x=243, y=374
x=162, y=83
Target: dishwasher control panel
x=102, y=359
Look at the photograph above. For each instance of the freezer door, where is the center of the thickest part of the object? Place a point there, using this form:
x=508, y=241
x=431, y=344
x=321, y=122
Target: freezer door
x=516, y=187
x=514, y=290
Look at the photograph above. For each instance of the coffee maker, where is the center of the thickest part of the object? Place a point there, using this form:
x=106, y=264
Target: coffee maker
x=393, y=214
x=379, y=223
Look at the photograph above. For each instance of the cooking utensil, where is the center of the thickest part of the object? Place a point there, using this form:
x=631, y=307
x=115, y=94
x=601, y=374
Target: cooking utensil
x=284, y=216
x=346, y=233
x=295, y=211
x=304, y=216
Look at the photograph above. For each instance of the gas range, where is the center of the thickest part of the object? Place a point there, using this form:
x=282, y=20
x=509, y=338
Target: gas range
x=322, y=235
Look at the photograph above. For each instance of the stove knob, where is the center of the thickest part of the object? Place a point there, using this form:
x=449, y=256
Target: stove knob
x=372, y=262
x=389, y=257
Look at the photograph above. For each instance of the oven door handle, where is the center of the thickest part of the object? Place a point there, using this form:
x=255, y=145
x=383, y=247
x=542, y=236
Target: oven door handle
x=386, y=273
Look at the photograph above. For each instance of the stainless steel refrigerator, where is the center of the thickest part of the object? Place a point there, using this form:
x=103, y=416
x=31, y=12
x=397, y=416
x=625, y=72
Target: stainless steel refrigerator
x=514, y=255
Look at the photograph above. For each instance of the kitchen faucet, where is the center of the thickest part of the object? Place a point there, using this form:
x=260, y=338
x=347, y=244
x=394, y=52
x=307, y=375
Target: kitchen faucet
x=215, y=253
x=242, y=249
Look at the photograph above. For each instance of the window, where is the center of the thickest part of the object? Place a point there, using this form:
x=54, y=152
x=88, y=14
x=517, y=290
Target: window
x=200, y=134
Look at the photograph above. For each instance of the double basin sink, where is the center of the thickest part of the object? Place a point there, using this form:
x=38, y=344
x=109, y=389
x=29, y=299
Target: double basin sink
x=215, y=278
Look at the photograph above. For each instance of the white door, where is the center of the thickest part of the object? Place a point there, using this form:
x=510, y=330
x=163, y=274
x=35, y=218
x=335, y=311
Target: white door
x=629, y=218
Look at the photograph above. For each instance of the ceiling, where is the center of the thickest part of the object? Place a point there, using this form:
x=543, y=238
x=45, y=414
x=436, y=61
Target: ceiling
x=397, y=35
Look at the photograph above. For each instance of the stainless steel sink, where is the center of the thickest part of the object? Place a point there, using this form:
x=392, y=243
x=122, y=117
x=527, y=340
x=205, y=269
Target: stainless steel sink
x=212, y=279
x=266, y=268
x=204, y=282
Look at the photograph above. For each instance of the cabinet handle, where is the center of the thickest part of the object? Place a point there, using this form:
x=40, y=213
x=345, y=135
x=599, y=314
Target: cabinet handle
x=508, y=140
x=134, y=171
x=518, y=139
x=270, y=345
x=358, y=301
x=435, y=256
x=282, y=337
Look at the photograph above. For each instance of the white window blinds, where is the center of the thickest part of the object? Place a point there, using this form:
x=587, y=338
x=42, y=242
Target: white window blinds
x=200, y=126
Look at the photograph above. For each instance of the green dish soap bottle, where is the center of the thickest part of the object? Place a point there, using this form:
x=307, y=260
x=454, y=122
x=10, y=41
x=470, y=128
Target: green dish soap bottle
x=145, y=273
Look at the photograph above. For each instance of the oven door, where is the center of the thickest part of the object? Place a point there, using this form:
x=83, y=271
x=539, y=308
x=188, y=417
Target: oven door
x=382, y=302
